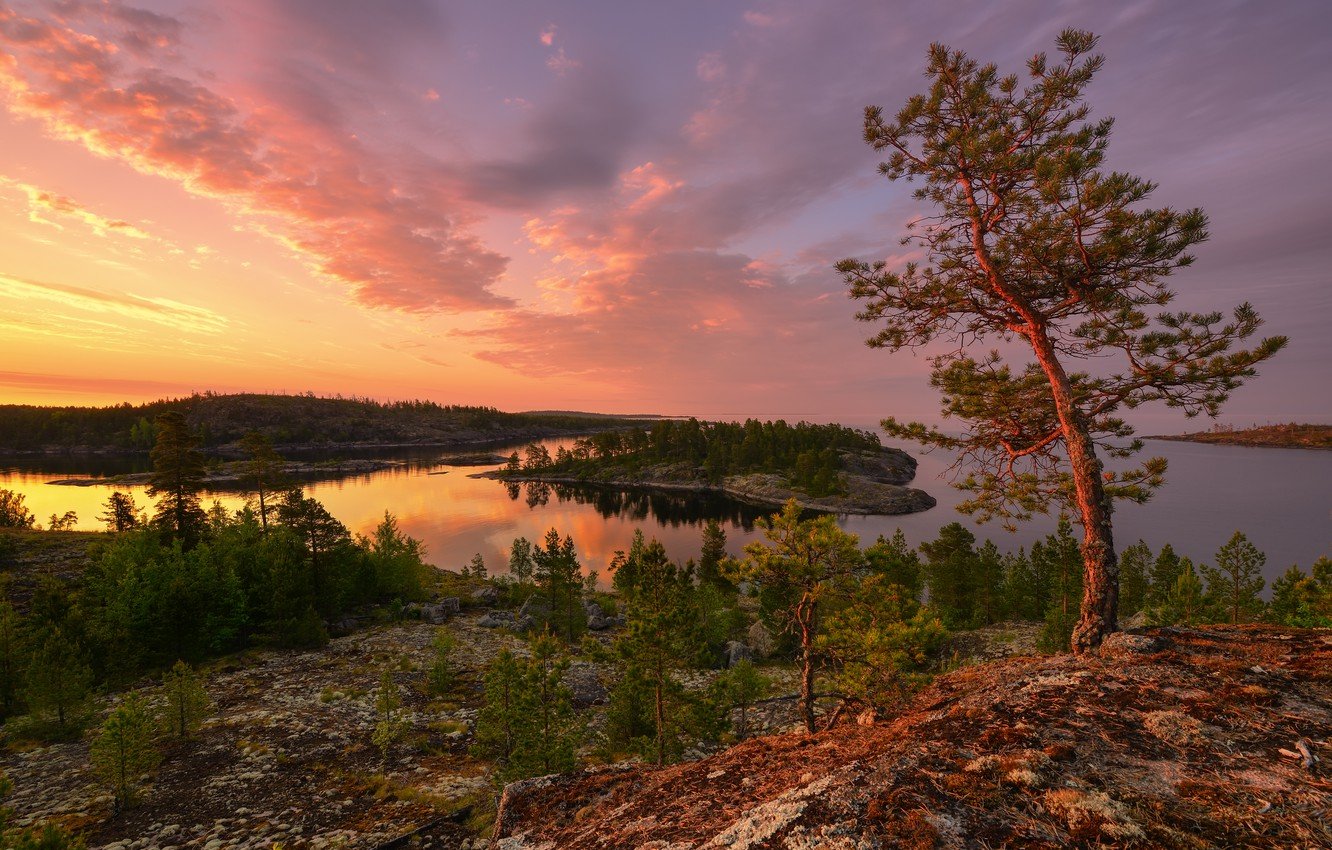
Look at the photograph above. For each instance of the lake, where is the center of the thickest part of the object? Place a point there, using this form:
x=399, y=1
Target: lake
x=1280, y=498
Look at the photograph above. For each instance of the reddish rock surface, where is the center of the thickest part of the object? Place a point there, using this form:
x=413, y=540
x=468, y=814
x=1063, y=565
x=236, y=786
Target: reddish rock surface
x=1192, y=738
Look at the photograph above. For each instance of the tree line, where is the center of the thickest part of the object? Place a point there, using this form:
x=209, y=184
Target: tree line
x=223, y=419
x=809, y=455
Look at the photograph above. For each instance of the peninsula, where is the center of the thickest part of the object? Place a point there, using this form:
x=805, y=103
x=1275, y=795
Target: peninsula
x=827, y=468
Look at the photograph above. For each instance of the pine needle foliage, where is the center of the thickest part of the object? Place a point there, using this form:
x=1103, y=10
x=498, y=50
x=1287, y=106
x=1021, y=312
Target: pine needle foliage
x=1032, y=244
x=123, y=751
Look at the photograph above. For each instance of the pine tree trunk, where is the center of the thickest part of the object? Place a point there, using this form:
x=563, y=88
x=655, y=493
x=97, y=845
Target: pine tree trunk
x=807, y=666
x=1100, y=593
x=661, y=721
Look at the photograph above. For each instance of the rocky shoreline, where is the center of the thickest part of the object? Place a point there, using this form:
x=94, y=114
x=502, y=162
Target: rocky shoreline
x=232, y=475
x=872, y=484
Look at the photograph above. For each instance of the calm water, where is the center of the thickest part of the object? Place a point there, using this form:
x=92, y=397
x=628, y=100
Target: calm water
x=1280, y=498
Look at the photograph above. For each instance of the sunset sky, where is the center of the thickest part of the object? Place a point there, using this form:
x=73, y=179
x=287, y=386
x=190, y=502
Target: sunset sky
x=611, y=206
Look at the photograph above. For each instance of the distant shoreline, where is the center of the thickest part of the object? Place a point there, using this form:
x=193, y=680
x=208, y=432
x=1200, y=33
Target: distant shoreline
x=1290, y=436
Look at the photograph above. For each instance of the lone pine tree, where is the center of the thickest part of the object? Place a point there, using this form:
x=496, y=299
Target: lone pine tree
x=1032, y=242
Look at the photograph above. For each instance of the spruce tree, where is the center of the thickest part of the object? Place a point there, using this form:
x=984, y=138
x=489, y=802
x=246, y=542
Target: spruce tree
x=123, y=751
x=713, y=554
x=442, y=674
x=1236, y=582
x=187, y=702
x=896, y=561
x=559, y=578
x=58, y=682
x=1301, y=600
x=1024, y=591
x=505, y=711
x=177, y=479
x=950, y=573
x=326, y=542
x=397, y=560
x=1134, y=565
x=1165, y=572
x=1186, y=604
x=1058, y=557
x=1031, y=240
x=390, y=724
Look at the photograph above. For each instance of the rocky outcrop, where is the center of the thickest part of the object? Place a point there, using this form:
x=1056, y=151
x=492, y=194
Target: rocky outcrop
x=1174, y=738
x=287, y=759
x=872, y=484
x=863, y=495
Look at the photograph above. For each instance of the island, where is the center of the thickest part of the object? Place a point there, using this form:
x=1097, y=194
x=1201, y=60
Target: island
x=1291, y=435
x=825, y=468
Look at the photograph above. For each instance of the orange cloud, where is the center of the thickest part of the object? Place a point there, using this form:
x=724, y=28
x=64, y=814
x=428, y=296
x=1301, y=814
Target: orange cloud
x=44, y=207
x=84, y=385
x=88, y=77
x=649, y=309
x=160, y=311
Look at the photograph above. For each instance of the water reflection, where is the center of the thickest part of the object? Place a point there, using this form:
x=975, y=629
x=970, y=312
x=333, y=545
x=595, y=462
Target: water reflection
x=1280, y=498
x=666, y=509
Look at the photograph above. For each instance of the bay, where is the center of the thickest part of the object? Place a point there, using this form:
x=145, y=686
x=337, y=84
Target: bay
x=1280, y=498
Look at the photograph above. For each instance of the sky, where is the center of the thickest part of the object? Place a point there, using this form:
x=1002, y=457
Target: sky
x=610, y=206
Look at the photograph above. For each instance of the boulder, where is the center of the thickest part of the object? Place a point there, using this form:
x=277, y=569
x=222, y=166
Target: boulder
x=737, y=652
x=583, y=682
x=599, y=622
x=496, y=620
x=450, y=604
x=760, y=640
x=436, y=613
x=488, y=595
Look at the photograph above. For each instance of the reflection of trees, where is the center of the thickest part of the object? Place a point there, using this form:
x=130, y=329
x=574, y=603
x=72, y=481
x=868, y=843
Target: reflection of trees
x=513, y=490
x=537, y=494
x=667, y=508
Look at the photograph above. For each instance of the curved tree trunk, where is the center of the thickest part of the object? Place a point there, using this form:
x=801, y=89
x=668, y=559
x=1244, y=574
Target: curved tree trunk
x=1100, y=589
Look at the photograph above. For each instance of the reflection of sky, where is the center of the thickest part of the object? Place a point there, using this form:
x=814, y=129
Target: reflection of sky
x=1280, y=498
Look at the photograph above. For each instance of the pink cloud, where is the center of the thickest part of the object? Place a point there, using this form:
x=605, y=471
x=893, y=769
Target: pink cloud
x=561, y=63
x=646, y=305
x=93, y=78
